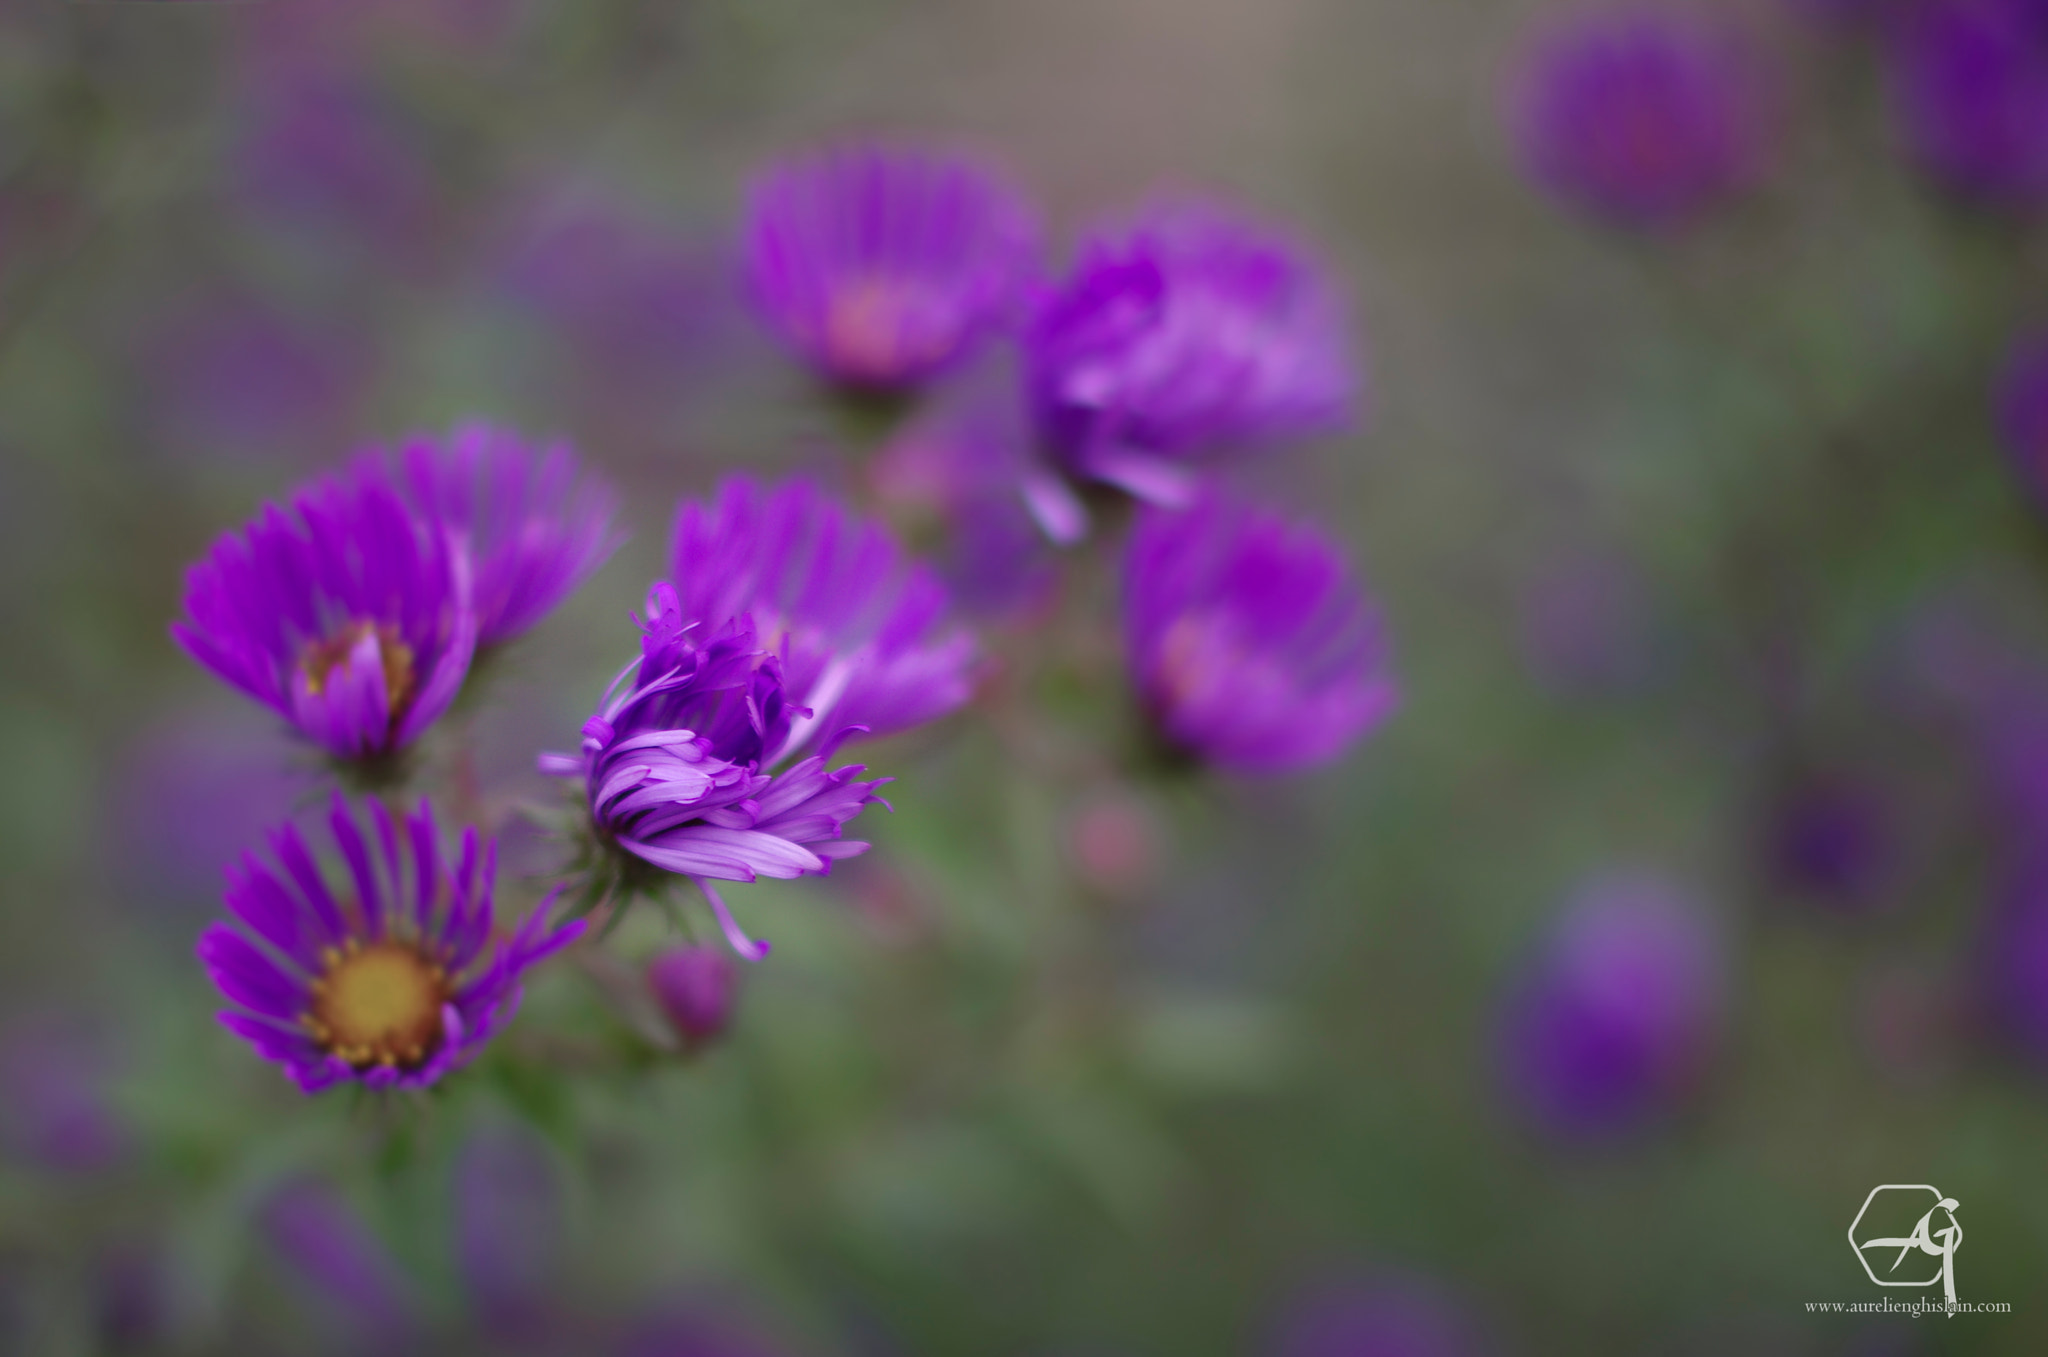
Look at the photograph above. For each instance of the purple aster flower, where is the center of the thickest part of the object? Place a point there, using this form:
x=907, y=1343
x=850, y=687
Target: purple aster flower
x=1374, y=1314
x=696, y=987
x=861, y=630
x=346, y=614
x=1969, y=83
x=678, y=766
x=535, y=526
x=393, y=981
x=2022, y=409
x=880, y=266
x=1643, y=116
x=1251, y=645
x=1615, y=1019
x=1191, y=333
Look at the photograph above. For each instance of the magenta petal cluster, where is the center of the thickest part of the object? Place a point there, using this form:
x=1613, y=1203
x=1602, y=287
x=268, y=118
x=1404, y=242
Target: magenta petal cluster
x=344, y=612
x=1969, y=82
x=1641, y=115
x=1193, y=332
x=1251, y=645
x=861, y=630
x=536, y=526
x=678, y=764
x=393, y=980
x=883, y=266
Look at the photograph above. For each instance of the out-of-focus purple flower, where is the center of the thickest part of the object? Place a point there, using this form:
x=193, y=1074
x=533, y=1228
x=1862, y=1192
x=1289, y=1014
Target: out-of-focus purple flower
x=329, y=1248
x=1832, y=838
x=392, y=982
x=2015, y=954
x=1251, y=645
x=701, y=1331
x=193, y=790
x=861, y=629
x=1192, y=333
x=1969, y=82
x=678, y=766
x=1585, y=626
x=238, y=378
x=1642, y=115
x=1617, y=1016
x=1374, y=1314
x=53, y=1096
x=882, y=266
x=345, y=613
x=2022, y=408
x=536, y=527
x=508, y=1227
x=1847, y=14
x=320, y=148
x=696, y=987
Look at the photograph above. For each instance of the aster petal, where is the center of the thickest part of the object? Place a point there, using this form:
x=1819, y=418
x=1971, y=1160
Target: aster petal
x=248, y=977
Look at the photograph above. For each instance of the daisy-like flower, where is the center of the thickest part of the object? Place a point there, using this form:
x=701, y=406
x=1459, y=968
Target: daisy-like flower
x=391, y=981
x=1193, y=333
x=881, y=267
x=678, y=766
x=536, y=527
x=1251, y=645
x=1645, y=117
x=346, y=613
x=860, y=629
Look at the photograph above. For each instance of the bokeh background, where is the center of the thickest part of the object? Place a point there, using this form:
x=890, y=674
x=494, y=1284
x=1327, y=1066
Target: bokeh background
x=1694, y=548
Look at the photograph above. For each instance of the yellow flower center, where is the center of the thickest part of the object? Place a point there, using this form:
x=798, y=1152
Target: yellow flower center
x=379, y=1005
x=321, y=658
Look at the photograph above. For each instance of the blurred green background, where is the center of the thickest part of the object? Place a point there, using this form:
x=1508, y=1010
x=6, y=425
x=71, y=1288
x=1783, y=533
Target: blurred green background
x=1660, y=527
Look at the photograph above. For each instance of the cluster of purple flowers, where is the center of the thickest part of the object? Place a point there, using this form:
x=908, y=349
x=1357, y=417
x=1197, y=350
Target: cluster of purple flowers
x=787, y=624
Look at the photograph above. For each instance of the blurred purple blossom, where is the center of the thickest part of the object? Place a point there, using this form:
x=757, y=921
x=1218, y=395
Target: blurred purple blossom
x=509, y=1245
x=1251, y=645
x=1374, y=1314
x=696, y=988
x=54, y=1110
x=356, y=1283
x=882, y=266
x=235, y=377
x=1191, y=333
x=1643, y=115
x=1969, y=82
x=1833, y=838
x=2021, y=406
x=1615, y=1019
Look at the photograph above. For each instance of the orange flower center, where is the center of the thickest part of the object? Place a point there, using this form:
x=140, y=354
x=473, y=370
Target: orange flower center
x=379, y=1005
x=321, y=658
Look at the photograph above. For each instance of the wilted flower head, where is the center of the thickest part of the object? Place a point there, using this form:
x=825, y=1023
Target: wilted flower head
x=1193, y=332
x=860, y=629
x=1642, y=116
x=1969, y=81
x=345, y=613
x=696, y=988
x=1616, y=1016
x=883, y=266
x=1374, y=1314
x=677, y=765
x=1251, y=645
x=535, y=526
x=393, y=981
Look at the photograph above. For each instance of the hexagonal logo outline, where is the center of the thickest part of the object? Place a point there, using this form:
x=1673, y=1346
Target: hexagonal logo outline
x=1857, y=1249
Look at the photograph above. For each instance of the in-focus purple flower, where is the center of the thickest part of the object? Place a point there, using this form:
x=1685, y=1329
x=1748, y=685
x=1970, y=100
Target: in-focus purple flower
x=394, y=980
x=508, y=1227
x=1641, y=115
x=345, y=613
x=1251, y=645
x=341, y=1264
x=861, y=629
x=1374, y=1314
x=696, y=988
x=1614, y=1020
x=678, y=764
x=881, y=266
x=1192, y=333
x=1969, y=82
x=2022, y=409
x=535, y=525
